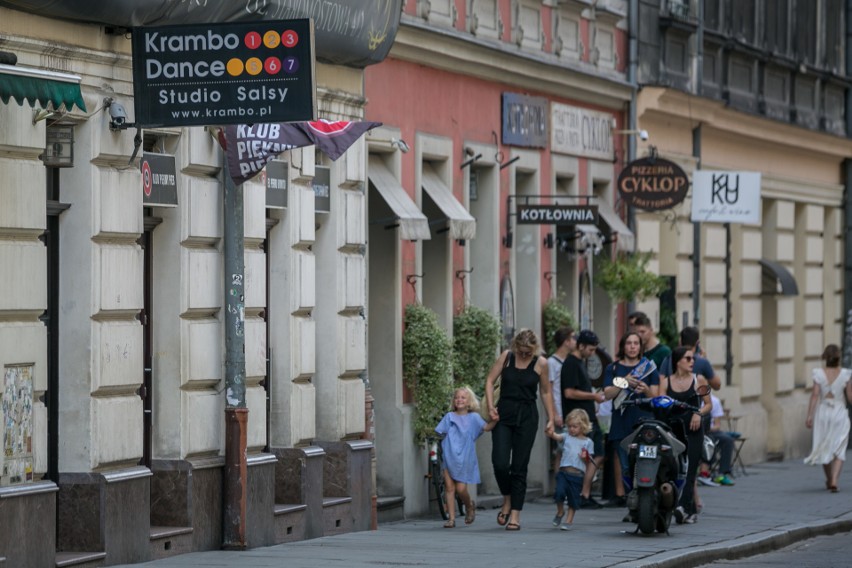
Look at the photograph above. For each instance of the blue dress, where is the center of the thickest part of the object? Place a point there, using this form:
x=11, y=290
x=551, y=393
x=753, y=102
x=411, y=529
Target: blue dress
x=459, y=445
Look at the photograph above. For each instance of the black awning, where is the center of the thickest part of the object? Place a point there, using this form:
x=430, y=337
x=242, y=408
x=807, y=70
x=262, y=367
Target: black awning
x=47, y=88
x=777, y=279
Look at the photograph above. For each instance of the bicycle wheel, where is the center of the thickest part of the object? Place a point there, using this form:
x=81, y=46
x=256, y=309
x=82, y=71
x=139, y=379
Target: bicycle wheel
x=438, y=483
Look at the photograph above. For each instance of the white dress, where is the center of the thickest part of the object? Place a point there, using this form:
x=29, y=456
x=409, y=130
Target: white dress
x=831, y=420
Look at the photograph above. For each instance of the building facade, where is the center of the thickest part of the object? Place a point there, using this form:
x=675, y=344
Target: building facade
x=488, y=106
x=112, y=323
x=750, y=86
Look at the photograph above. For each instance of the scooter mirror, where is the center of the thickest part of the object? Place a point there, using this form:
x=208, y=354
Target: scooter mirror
x=620, y=382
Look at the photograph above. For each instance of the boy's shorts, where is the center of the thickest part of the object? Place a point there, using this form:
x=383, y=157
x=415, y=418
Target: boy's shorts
x=568, y=486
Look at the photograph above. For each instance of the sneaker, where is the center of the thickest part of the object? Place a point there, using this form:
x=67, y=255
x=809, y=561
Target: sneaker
x=589, y=503
x=557, y=519
x=618, y=501
x=723, y=480
x=565, y=527
x=691, y=519
x=679, y=515
x=707, y=481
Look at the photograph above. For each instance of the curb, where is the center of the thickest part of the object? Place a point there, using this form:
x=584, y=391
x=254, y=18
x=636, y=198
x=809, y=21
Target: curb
x=746, y=546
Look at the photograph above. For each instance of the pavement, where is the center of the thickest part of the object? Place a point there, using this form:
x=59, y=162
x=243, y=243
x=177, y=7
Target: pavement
x=775, y=505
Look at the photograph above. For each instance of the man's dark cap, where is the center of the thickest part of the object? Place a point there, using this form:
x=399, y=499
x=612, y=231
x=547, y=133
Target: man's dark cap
x=587, y=337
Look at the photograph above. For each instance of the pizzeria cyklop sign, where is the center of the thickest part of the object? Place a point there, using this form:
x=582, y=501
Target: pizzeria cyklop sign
x=653, y=184
x=233, y=73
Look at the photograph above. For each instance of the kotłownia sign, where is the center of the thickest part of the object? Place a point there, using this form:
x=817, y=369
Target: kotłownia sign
x=557, y=214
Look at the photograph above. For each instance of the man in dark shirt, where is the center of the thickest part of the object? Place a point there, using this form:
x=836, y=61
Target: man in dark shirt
x=654, y=350
x=577, y=393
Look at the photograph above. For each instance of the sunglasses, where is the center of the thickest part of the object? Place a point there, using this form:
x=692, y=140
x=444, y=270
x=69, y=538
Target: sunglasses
x=689, y=358
x=524, y=354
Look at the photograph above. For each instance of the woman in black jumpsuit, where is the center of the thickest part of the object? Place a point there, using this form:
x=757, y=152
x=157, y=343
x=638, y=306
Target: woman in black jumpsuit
x=523, y=373
x=682, y=385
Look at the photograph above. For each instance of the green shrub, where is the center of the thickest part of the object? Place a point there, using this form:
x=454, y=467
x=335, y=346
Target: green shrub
x=555, y=315
x=426, y=368
x=627, y=279
x=476, y=339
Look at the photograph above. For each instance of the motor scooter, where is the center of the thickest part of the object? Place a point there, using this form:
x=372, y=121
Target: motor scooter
x=657, y=462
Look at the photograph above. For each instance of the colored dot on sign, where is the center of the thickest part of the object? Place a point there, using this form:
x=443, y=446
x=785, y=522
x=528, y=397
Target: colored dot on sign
x=271, y=39
x=272, y=65
x=252, y=40
x=289, y=38
x=291, y=65
x=235, y=67
x=254, y=66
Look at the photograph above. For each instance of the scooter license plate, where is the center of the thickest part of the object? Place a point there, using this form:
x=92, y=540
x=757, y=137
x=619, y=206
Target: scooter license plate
x=649, y=452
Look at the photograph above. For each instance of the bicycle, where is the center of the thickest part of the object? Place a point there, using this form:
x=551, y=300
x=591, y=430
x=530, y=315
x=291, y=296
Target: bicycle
x=436, y=475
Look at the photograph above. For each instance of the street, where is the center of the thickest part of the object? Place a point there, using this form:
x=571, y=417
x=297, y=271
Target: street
x=821, y=552
x=776, y=505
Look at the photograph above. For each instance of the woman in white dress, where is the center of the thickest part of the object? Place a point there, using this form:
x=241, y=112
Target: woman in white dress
x=828, y=417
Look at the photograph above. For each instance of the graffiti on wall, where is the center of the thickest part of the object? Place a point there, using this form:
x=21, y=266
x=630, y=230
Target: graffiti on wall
x=16, y=461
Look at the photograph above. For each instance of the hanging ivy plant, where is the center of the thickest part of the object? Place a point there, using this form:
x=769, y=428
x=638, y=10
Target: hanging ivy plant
x=627, y=278
x=426, y=368
x=555, y=315
x=476, y=338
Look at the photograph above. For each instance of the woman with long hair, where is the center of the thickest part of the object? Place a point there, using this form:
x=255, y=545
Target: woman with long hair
x=684, y=385
x=523, y=373
x=643, y=379
x=828, y=417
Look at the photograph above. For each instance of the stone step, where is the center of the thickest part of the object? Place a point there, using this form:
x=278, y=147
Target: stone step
x=80, y=559
x=289, y=522
x=390, y=508
x=336, y=515
x=170, y=541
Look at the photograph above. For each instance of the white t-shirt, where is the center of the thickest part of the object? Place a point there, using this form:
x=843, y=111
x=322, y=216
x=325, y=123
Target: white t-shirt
x=554, y=371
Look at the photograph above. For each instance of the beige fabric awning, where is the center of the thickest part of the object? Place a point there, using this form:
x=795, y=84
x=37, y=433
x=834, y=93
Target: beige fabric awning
x=413, y=225
x=626, y=240
x=462, y=224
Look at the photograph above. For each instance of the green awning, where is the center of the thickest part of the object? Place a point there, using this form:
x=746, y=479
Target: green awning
x=42, y=87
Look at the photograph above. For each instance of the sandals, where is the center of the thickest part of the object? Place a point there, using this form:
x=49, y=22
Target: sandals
x=513, y=527
x=451, y=524
x=502, y=518
x=470, y=513
x=833, y=489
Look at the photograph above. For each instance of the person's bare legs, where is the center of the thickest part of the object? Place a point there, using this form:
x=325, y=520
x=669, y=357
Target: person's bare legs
x=590, y=476
x=450, y=495
x=570, y=518
x=619, y=482
x=836, y=467
x=826, y=468
x=463, y=493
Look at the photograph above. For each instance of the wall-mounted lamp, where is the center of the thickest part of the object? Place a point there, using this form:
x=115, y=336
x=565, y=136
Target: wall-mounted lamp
x=471, y=155
x=59, y=146
x=509, y=162
x=397, y=143
x=643, y=134
x=548, y=241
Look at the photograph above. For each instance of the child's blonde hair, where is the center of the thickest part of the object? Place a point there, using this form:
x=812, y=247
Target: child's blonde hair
x=581, y=417
x=472, y=401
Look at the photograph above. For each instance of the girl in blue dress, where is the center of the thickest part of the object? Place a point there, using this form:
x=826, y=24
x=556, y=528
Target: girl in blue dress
x=460, y=428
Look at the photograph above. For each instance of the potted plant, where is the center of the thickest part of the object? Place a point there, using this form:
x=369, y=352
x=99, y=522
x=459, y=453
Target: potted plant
x=627, y=278
x=555, y=314
x=476, y=339
x=427, y=368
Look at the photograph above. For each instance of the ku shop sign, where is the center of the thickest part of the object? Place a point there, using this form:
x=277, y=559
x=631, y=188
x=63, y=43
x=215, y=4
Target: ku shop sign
x=557, y=214
x=233, y=73
x=653, y=184
x=726, y=197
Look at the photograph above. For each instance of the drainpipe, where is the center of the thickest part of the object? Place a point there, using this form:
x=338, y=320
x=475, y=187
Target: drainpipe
x=235, y=492
x=632, y=118
x=847, y=208
x=696, y=153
